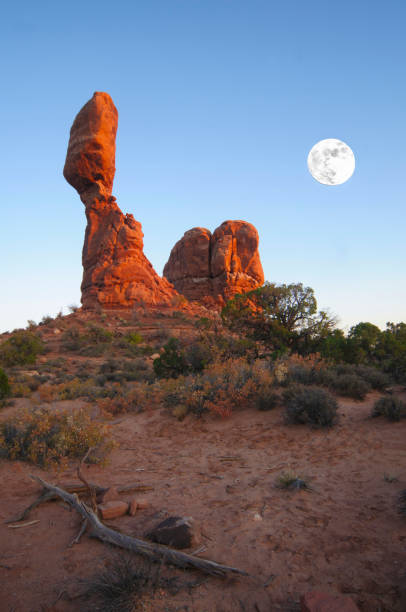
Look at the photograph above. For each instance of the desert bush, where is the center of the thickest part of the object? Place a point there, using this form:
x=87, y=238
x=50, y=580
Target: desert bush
x=72, y=339
x=350, y=385
x=267, y=399
x=73, y=308
x=46, y=319
x=114, y=370
x=390, y=407
x=220, y=388
x=4, y=385
x=198, y=355
x=306, y=404
x=46, y=437
x=131, y=339
x=172, y=361
x=160, y=336
x=376, y=378
x=21, y=348
x=92, y=343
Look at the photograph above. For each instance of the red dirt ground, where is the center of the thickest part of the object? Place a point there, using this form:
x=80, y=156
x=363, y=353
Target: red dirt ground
x=344, y=535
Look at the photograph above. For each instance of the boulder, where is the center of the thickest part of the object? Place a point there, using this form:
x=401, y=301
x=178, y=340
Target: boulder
x=214, y=267
x=319, y=601
x=175, y=531
x=113, y=509
x=116, y=273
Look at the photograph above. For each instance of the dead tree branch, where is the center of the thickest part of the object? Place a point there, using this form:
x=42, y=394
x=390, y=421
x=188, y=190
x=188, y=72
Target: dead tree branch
x=75, y=488
x=147, y=549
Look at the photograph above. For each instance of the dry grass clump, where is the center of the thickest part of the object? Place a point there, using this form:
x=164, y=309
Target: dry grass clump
x=46, y=438
x=124, y=584
x=291, y=481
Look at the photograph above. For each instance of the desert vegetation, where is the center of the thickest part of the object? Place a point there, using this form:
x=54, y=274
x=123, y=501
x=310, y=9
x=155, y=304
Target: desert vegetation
x=68, y=382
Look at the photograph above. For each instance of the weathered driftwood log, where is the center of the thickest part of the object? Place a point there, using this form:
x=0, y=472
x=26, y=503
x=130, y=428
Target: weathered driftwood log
x=147, y=549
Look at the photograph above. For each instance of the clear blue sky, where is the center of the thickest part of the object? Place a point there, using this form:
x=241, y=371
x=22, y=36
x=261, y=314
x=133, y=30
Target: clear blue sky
x=219, y=104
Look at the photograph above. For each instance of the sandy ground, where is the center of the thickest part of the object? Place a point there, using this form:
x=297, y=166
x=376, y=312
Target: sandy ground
x=345, y=534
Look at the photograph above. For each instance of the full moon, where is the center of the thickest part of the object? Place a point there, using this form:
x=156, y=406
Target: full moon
x=331, y=162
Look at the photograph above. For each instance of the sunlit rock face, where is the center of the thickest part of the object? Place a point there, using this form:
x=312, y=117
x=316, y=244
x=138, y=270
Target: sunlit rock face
x=116, y=272
x=212, y=268
x=90, y=160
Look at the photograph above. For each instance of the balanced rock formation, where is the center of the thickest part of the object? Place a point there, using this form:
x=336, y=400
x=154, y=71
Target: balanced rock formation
x=116, y=273
x=212, y=268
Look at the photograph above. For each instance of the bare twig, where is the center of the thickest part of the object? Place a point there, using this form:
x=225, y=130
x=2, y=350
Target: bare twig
x=81, y=532
x=23, y=525
x=91, y=488
x=147, y=549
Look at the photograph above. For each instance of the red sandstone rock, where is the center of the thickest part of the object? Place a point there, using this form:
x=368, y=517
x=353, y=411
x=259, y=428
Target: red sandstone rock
x=142, y=503
x=318, y=601
x=217, y=266
x=133, y=507
x=113, y=509
x=188, y=267
x=90, y=160
x=116, y=272
x=110, y=495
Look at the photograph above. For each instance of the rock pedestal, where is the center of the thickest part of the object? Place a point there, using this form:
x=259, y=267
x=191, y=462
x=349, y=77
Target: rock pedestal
x=116, y=273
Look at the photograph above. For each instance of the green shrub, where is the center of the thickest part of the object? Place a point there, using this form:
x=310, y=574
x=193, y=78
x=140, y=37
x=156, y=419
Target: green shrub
x=46, y=437
x=310, y=405
x=350, y=385
x=172, y=362
x=21, y=348
x=390, y=407
x=198, y=356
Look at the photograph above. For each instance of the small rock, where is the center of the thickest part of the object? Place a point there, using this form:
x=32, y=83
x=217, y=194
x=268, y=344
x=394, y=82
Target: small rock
x=176, y=531
x=133, y=507
x=142, y=503
x=113, y=509
x=318, y=601
x=57, y=331
x=110, y=495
